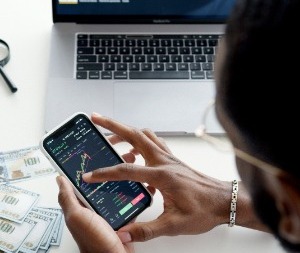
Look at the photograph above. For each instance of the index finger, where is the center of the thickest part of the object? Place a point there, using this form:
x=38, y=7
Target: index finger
x=126, y=171
x=132, y=135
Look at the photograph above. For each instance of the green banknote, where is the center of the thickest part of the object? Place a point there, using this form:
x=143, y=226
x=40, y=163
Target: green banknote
x=12, y=234
x=34, y=239
x=23, y=164
x=51, y=230
x=16, y=202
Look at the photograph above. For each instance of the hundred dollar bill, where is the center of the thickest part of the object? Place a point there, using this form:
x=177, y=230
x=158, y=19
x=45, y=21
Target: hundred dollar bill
x=23, y=164
x=43, y=250
x=58, y=227
x=34, y=239
x=15, y=202
x=13, y=234
x=48, y=236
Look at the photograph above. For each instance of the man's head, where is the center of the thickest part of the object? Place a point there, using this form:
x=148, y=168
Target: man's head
x=257, y=79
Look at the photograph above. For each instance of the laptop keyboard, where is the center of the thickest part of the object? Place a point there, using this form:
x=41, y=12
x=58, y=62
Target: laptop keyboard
x=145, y=57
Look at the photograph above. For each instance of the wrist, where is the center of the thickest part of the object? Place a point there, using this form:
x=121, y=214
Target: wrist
x=233, y=204
x=224, y=202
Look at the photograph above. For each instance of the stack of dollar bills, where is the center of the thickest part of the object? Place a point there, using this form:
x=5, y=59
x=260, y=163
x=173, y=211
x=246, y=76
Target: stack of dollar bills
x=25, y=227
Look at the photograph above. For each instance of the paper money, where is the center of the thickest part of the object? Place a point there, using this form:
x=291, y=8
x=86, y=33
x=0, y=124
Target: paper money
x=15, y=202
x=34, y=239
x=43, y=250
x=23, y=164
x=13, y=234
x=58, y=227
x=48, y=236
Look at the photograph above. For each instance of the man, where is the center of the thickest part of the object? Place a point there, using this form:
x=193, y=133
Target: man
x=256, y=85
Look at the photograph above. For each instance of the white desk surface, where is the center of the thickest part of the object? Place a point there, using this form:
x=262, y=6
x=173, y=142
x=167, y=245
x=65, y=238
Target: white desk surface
x=26, y=26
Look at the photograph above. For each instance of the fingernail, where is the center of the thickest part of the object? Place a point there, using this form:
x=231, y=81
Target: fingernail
x=58, y=180
x=86, y=175
x=95, y=114
x=125, y=237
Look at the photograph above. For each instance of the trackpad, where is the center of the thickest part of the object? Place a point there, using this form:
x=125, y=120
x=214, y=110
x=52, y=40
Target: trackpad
x=163, y=107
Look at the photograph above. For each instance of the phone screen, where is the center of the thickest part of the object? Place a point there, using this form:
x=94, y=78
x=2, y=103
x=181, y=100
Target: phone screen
x=77, y=148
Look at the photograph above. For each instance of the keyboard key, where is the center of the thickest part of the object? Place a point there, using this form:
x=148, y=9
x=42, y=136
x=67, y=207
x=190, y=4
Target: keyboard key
x=115, y=58
x=198, y=75
x=195, y=66
x=122, y=66
x=184, y=50
x=196, y=50
x=89, y=66
x=200, y=58
x=152, y=58
x=112, y=50
x=183, y=66
x=148, y=50
x=103, y=58
x=211, y=58
x=164, y=58
x=201, y=43
x=94, y=75
x=94, y=43
x=161, y=50
x=106, y=43
x=118, y=43
x=106, y=75
x=154, y=43
x=159, y=75
x=85, y=50
x=109, y=66
x=171, y=67
x=146, y=66
x=188, y=58
x=140, y=58
x=81, y=75
x=176, y=58
x=82, y=43
x=100, y=50
x=124, y=50
x=159, y=66
x=189, y=43
x=212, y=43
x=86, y=58
x=134, y=66
x=137, y=50
x=120, y=75
x=130, y=43
x=210, y=74
x=208, y=50
x=207, y=66
x=177, y=43
x=82, y=36
x=127, y=58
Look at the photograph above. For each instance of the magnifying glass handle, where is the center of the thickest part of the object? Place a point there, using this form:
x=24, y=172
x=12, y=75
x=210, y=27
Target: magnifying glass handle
x=9, y=83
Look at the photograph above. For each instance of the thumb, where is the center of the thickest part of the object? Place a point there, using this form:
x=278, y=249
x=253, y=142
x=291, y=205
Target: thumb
x=143, y=231
x=66, y=196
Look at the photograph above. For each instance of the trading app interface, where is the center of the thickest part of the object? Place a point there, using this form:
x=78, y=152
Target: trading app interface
x=81, y=149
x=201, y=9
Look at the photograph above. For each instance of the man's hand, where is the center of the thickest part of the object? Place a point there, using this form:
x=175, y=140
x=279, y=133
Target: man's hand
x=193, y=202
x=90, y=231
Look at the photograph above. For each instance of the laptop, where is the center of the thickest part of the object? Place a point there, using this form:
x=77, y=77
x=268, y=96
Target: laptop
x=148, y=64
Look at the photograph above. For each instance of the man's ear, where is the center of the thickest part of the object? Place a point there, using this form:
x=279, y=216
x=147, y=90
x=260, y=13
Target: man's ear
x=288, y=204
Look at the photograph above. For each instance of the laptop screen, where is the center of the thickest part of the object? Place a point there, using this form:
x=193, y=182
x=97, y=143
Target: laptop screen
x=142, y=11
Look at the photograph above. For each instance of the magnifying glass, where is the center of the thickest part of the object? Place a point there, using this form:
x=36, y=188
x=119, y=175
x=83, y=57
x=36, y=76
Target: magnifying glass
x=4, y=59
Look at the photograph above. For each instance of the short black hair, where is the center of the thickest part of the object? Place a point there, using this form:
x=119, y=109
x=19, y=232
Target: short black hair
x=259, y=78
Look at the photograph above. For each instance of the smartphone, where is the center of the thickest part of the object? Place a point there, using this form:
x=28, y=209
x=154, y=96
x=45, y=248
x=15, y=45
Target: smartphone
x=77, y=146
